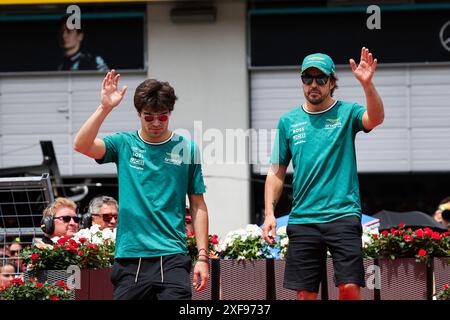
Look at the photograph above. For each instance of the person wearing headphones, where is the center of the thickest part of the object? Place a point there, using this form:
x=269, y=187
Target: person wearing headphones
x=442, y=213
x=103, y=211
x=59, y=219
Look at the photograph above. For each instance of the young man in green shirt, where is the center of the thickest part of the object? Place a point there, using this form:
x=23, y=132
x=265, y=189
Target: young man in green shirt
x=156, y=169
x=319, y=139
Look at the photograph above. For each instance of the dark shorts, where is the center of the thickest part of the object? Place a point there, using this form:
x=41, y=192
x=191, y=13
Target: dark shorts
x=307, y=253
x=160, y=278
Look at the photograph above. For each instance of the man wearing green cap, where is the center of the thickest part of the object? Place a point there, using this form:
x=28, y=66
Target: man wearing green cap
x=318, y=137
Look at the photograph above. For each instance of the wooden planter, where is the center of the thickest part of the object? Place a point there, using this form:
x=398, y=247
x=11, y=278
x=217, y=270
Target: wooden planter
x=95, y=284
x=403, y=279
x=367, y=293
x=441, y=269
x=243, y=279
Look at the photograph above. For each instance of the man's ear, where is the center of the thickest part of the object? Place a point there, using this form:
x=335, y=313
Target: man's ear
x=332, y=83
x=81, y=36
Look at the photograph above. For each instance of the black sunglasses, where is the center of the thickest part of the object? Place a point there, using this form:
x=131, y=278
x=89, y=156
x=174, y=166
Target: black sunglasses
x=67, y=219
x=107, y=217
x=321, y=79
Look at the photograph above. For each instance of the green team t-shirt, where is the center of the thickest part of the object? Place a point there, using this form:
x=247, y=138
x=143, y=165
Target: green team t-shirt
x=322, y=149
x=153, y=182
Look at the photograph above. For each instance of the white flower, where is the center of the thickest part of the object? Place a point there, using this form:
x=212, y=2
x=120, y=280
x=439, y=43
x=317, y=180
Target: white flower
x=281, y=231
x=241, y=240
x=107, y=234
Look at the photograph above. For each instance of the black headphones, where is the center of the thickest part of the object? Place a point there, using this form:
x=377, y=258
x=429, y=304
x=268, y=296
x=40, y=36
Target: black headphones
x=86, y=220
x=48, y=225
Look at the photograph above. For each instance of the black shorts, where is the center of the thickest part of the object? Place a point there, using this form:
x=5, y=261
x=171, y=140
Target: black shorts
x=159, y=278
x=307, y=253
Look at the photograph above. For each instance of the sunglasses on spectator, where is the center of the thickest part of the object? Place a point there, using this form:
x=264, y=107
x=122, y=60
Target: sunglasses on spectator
x=161, y=118
x=13, y=252
x=67, y=219
x=321, y=79
x=107, y=217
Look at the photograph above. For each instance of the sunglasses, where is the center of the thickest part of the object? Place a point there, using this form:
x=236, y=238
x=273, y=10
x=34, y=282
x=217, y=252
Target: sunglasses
x=320, y=79
x=67, y=219
x=161, y=118
x=13, y=252
x=107, y=217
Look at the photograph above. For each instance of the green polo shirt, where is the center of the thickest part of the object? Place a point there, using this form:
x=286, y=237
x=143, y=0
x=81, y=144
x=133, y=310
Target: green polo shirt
x=322, y=149
x=154, y=179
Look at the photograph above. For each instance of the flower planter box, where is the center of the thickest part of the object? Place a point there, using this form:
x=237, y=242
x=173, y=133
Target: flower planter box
x=281, y=292
x=441, y=269
x=403, y=279
x=243, y=279
x=367, y=293
x=95, y=284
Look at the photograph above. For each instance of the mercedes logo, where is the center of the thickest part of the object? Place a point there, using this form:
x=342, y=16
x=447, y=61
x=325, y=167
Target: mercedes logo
x=444, y=35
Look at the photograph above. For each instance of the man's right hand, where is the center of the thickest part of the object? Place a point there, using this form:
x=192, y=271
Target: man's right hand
x=111, y=97
x=270, y=229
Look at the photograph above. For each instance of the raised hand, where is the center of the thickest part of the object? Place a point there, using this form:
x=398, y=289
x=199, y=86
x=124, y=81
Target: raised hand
x=110, y=96
x=366, y=68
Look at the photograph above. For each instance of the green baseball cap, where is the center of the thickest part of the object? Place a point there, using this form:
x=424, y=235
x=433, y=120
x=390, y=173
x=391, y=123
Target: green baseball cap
x=320, y=61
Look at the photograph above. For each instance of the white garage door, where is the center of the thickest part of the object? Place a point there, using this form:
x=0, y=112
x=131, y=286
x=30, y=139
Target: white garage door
x=414, y=137
x=34, y=108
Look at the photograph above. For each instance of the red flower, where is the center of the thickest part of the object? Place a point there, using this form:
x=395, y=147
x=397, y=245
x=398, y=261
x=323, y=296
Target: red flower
x=62, y=240
x=39, y=285
x=422, y=253
x=80, y=253
x=419, y=233
x=214, y=239
x=446, y=286
x=93, y=246
x=32, y=279
x=83, y=240
x=375, y=236
x=34, y=256
x=407, y=237
x=401, y=225
x=428, y=232
x=54, y=298
x=384, y=233
x=436, y=236
x=18, y=281
x=60, y=283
